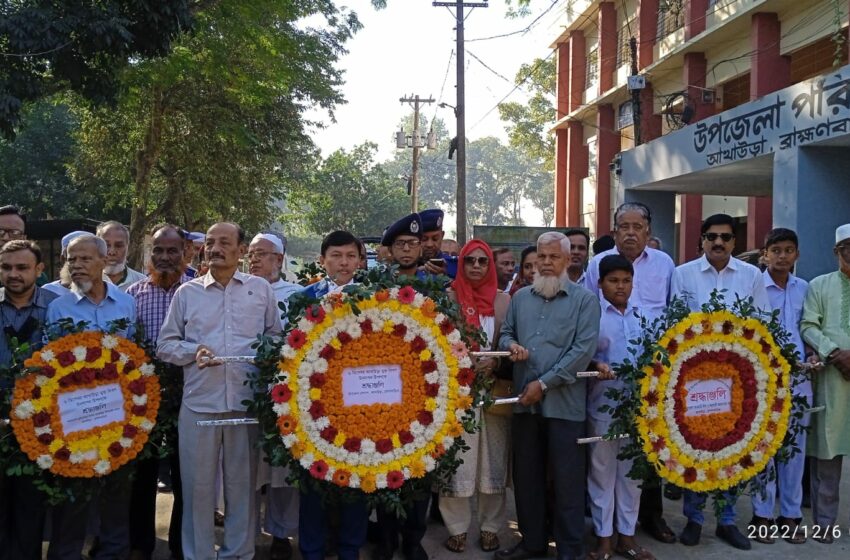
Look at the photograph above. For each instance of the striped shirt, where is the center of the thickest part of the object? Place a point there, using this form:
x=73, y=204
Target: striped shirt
x=152, y=304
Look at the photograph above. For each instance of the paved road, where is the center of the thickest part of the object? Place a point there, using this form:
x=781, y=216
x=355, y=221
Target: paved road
x=710, y=548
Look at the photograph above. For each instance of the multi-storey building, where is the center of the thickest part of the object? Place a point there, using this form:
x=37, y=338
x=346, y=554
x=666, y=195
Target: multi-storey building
x=745, y=110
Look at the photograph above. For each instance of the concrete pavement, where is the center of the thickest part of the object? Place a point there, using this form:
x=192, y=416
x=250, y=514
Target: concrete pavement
x=710, y=548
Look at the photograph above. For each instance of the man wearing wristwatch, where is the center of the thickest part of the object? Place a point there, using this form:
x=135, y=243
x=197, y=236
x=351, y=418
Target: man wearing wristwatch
x=551, y=330
x=825, y=326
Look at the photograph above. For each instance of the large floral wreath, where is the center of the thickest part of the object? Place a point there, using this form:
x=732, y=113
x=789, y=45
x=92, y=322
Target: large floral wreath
x=97, y=368
x=342, y=351
x=708, y=399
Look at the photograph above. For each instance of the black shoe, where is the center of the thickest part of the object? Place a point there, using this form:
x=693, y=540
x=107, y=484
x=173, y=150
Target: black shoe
x=519, y=552
x=672, y=492
x=731, y=535
x=690, y=534
x=382, y=553
x=281, y=549
x=660, y=531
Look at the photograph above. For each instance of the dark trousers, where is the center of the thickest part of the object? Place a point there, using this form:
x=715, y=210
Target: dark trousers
x=70, y=521
x=651, y=506
x=412, y=529
x=143, y=506
x=313, y=527
x=22, y=513
x=538, y=441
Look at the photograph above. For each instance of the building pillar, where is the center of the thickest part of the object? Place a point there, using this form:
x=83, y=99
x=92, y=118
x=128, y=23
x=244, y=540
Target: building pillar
x=607, y=45
x=561, y=177
x=647, y=31
x=770, y=71
x=695, y=17
x=694, y=73
x=607, y=146
x=690, y=215
x=803, y=178
x=576, y=171
x=562, y=87
x=650, y=123
x=578, y=69
x=562, y=84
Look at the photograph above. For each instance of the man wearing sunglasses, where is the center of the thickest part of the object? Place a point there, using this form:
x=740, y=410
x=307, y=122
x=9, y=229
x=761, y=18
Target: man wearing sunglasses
x=694, y=282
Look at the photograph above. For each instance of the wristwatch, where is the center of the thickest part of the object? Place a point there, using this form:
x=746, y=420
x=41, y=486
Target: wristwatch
x=543, y=386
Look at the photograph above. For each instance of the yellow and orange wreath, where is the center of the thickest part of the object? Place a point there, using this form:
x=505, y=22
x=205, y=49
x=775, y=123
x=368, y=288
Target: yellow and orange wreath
x=88, y=405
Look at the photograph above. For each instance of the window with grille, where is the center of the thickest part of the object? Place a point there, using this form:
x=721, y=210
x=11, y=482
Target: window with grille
x=623, y=36
x=592, y=69
x=671, y=17
x=625, y=117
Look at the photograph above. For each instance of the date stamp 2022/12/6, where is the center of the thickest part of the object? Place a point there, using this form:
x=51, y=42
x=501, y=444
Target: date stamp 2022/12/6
x=776, y=531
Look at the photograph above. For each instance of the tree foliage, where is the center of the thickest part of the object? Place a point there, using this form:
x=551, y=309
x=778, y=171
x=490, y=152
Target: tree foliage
x=82, y=46
x=34, y=173
x=216, y=129
x=528, y=125
x=348, y=191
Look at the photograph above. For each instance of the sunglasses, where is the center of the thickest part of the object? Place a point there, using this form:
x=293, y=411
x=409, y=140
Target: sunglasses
x=726, y=237
x=480, y=261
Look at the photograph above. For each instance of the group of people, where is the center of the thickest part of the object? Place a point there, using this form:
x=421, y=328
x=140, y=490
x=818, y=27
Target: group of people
x=555, y=310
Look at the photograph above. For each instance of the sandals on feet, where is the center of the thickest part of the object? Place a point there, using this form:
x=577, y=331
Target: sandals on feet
x=489, y=541
x=596, y=556
x=456, y=543
x=635, y=553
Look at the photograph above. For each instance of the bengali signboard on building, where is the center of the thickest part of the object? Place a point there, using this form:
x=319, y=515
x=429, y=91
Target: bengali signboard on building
x=810, y=111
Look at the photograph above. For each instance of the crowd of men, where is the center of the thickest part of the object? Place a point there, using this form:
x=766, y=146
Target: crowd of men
x=566, y=315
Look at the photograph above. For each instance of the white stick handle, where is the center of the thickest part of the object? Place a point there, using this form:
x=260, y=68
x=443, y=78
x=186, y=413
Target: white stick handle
x=219, y=360
x=595, y=439
x=229, y=422
x=587, y=374
x=490, y=354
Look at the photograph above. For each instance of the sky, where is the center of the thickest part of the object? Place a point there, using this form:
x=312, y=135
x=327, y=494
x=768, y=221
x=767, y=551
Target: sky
x=405, y=50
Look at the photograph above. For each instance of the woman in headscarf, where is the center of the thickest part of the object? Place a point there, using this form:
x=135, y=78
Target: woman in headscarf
x=483, y=474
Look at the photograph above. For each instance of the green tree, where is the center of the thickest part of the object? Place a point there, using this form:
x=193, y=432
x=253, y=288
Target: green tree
x=216, y=129
x=82, y=46
x=528, y=125
x=34, y=173
x=348, y=191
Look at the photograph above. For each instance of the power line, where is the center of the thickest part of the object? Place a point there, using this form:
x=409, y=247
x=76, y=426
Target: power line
x=484, y=64
x=524, y=30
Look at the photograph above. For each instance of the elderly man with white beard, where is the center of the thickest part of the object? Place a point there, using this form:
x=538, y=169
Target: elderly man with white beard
x=117, y=238
x=99, y=304
x=551, y=330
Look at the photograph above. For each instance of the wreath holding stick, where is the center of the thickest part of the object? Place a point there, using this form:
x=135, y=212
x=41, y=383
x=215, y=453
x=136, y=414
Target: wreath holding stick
x=370, y=389
x=708, y=398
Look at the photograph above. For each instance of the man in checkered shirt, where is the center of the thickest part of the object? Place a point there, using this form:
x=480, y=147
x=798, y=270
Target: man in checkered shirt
x=153, y=296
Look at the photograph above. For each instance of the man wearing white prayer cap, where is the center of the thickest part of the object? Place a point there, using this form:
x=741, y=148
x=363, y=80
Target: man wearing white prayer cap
x=63, y=285
x=265, y=259
x=825, y=327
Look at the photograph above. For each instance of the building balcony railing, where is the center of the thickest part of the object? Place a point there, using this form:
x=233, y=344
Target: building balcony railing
x=671, y=17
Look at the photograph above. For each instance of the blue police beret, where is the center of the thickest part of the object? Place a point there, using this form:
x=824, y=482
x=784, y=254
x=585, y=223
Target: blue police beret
x=432, y=219
x=409, y=225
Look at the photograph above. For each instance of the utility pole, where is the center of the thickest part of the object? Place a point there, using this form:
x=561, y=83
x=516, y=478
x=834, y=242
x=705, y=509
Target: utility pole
x=460, y=112
x=414, y=180
x=635, y=85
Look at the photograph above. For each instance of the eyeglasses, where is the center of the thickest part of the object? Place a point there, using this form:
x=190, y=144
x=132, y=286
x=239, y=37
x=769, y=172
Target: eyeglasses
x=259, y=254
x=726, y=237
x=11, y=232
x=480, y=261
x=402, y=243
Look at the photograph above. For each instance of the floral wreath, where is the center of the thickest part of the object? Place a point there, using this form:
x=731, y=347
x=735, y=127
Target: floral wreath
x=78, y=364
x=708, y=400
x=378, y=445
x=719, y=411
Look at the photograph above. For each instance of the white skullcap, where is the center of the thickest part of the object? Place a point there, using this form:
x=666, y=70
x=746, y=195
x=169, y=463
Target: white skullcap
x=842, y=233
x=273, y=239
x=66, y=240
